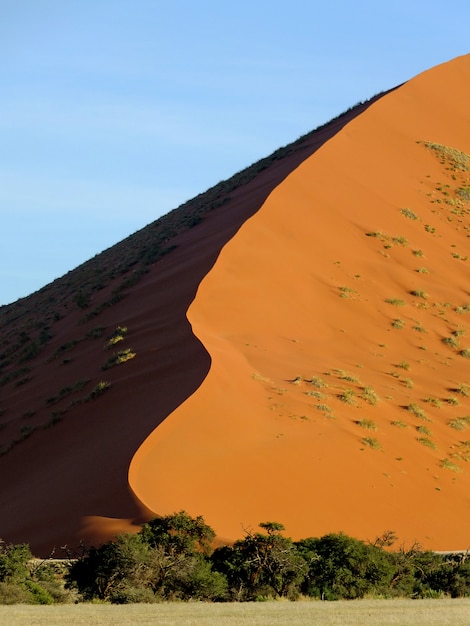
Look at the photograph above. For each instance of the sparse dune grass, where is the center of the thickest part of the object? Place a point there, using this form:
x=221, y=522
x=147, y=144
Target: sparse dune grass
x=460, y=423
x=436, y=612
x=347, y=396
x=318, y=382
x=367, y=423
x=369, y=395
x=371, y=442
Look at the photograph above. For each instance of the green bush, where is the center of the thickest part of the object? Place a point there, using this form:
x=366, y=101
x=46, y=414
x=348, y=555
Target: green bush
x=14, y=594
x=262, y=565
x=343, y=567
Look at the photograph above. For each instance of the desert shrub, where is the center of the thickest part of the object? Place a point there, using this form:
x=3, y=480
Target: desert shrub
x=409, y=214
x=133, y=595
x=318, y=382
x=14, y=594
x=463, y=390
x=416, y=410
x=38, y=594
x=425, y=441
x=347, y=396
x=424, y=430
x=179, y=534
x=116, y=565
x=98, y=390
x=371, y=442
x=395, y=301
x=19, y=584
x=166, y=560
x=404, y=365
x=450, y=465
x=117, y=336
x=452, y=577
x=369, y=395
x=343, y=567
x=419, y=293
x=460, y=423
x=118, y=358
x=367, y=423
x=198, y=581
x=95, y=333
x=14, y=561
x=82, y=299
x=413, y=569
x=451, y=341
x=400, y=240
x=262, y=565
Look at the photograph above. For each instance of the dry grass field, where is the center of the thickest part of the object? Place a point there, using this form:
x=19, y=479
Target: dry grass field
x=342, y=613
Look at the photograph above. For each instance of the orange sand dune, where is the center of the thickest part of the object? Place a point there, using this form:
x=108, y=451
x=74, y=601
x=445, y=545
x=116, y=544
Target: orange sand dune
x=298, y=294
x=65, y=478
x=222, y=411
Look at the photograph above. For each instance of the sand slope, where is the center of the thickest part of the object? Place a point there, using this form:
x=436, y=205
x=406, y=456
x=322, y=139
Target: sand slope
x=65, y=457
x=306, y=360
x=268, y=365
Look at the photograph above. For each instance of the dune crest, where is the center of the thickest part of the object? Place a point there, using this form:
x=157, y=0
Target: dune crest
x=337, y=322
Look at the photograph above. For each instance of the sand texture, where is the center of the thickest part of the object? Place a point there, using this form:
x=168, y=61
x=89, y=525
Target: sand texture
x=300, y=352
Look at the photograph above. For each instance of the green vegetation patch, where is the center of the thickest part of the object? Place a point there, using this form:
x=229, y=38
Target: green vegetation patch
x=395, y=301
x=367, y=424
x=425, y=441
x=416, y=410
x=117, y=336
x=409, y=214
x=98, y=390
x=118, y=358
x=368, y=394
x=460, y=423
x=452, y=158
x=317, y=382
x=371, y=442
x=347, y=396
x=450, y=465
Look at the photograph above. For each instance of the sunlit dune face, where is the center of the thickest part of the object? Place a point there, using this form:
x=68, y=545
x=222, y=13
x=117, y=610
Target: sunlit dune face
x=336, y=324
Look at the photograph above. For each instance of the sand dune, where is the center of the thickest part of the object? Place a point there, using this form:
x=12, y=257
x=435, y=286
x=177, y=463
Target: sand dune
x=66, y=477
x=272, y=379
x=300, y=293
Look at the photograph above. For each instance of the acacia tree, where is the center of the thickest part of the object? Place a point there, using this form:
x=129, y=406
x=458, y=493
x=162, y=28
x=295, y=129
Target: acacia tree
x=261, y=564
x=113, y=567
x=165, y=560
x=16, y=581
x=343, y=567
x=179, y=534
x=452, y=577
x=14, y=562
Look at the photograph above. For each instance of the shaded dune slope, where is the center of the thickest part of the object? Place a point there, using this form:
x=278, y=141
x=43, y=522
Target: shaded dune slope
x=337, y=322
x=66, y=451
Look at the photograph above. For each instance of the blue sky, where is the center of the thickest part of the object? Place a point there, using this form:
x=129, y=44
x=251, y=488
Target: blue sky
x=114, y=112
